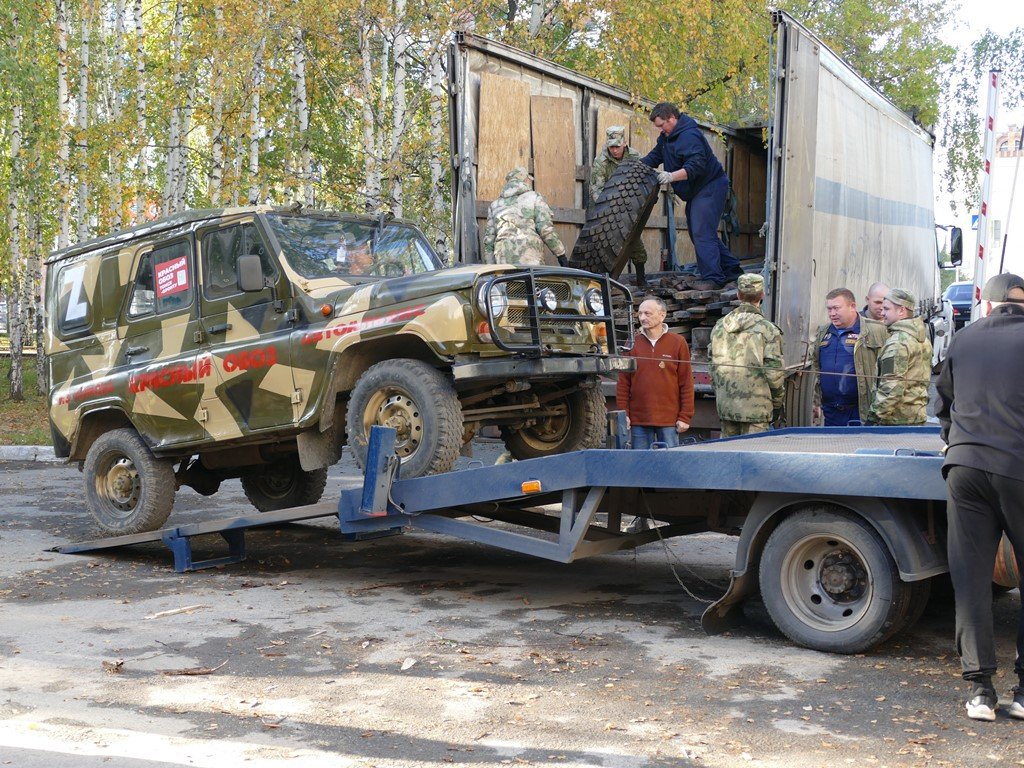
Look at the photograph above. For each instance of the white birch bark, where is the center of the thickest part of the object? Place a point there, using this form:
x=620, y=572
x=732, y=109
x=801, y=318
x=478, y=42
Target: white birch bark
x=216, y=178
x=82, y=124
x=64, y=141
x=438, y=149
x=36, y=268
x=15, y=308
x=254, y=122
x=301, y=107
x=537, y=11
x=371, y=170
x=402, y=42
x=181, y=188
x=141, y=127
x=170, y=197
x=116, y=110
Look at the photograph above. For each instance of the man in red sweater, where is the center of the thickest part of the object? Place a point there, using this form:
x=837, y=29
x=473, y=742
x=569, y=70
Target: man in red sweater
x=658, y=396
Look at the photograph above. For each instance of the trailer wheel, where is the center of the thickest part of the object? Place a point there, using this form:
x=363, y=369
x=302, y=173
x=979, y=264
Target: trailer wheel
x=282, y=485
x=420, y=403
x=582, y=426
x=829, y=582
x=617, y=219
x=127, y=489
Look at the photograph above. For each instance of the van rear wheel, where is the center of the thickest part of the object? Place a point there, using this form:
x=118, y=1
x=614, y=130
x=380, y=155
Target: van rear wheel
x=283, y=485
x=127, y=489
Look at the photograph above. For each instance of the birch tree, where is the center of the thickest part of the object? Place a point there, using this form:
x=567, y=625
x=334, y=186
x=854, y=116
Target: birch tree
x=82, y=125
x=174, y=153
x=301, y=109
x=141, y=103
x=15, y=309
x=399, y=106
x=64, y=141
x=254, y=120
x=215, y=178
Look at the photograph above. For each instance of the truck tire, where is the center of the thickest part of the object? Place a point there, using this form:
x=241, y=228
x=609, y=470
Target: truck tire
x=127, y=489
x=420, y=403
x=829, y=582
x=583, y=426
x=282, y=485
x=616, y=220
x=799, y=399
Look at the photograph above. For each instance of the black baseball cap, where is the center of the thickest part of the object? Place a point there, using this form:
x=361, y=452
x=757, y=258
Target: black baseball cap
x=998, y=288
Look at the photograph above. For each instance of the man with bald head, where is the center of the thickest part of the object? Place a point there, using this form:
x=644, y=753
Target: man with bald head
x=873, y=307
x=658, y=396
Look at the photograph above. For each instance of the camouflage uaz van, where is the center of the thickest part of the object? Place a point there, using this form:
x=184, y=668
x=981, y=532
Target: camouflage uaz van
x=254, y=342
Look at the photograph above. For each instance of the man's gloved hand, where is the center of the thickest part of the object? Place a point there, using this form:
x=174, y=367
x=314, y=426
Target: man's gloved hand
x=664, y=177
x=563, y=261
x=778, y=416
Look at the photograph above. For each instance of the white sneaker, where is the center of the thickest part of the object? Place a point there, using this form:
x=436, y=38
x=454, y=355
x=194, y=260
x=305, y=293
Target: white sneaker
x=982, y=705
x=1017, y=707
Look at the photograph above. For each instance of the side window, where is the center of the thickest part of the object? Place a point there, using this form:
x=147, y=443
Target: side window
x=73, y=308
x=163, y=282
x=221, y=250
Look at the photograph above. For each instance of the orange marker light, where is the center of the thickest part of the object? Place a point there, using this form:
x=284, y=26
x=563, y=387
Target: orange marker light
x=531, y=486
x=326, y=310
x=483, y=332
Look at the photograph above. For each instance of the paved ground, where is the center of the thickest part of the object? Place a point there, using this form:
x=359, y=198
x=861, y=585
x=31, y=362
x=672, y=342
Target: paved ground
x=422, y=651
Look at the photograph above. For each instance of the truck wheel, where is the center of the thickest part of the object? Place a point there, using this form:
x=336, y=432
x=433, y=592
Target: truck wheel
x=127, y=489
x=420, y=403
x=583, y=426
x=800, y=400
x=282, y=485
x=617, y=219
x=829, y=582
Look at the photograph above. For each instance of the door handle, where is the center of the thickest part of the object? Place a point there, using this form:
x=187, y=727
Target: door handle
x=135, y=351
x=221, y=328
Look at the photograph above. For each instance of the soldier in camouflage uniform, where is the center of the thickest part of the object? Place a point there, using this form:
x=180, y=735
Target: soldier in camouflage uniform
x=615, y=151
x=904, y=365
x=519, y=225
x=746, y=364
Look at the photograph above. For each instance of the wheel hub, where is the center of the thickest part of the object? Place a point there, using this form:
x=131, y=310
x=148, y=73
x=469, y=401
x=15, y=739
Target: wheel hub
x=122, y=484
x=399, y=412
x=842, y=577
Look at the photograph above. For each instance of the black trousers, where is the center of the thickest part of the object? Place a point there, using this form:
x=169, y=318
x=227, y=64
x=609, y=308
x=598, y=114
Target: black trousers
x=982, y=505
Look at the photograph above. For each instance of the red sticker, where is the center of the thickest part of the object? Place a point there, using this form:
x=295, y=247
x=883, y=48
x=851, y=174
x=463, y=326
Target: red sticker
x=172, y=276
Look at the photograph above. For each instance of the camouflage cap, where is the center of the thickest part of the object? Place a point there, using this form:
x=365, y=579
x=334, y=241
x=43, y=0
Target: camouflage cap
x=615, y=135
x=750, y=283
x=517, y=174
x=998, y=288
x=901, y=298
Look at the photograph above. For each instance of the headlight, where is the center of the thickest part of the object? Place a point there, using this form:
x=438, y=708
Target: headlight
x=594, y=301
x=499, y=300
x=547, y=299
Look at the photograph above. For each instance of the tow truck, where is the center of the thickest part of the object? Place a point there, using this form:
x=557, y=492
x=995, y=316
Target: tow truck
x=840, y=530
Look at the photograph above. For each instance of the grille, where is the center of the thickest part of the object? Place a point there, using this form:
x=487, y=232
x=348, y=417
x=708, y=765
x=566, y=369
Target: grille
x=517, y=289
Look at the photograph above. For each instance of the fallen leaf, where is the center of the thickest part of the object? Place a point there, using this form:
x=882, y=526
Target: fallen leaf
x=409, y=663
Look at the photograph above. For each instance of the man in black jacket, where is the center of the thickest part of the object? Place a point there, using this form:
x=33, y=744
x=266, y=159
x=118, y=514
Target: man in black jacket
x=981, y=408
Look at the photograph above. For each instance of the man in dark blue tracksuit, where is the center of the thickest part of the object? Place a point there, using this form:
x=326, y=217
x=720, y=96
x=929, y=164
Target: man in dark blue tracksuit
x=699, y=179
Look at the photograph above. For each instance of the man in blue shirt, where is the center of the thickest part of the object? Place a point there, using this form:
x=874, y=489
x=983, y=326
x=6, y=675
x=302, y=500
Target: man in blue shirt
x=699, y=179
x=846, y=355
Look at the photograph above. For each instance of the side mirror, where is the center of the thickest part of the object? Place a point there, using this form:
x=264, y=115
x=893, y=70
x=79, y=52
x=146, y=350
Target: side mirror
x=956, y=246
x=250, y=273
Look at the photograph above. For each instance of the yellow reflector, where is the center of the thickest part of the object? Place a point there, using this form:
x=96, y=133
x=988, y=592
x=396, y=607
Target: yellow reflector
x=531, y=486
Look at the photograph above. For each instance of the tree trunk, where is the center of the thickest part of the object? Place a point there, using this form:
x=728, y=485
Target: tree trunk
x=254, y=122
x=140, y=118
x=181, y=189
x=171, y=183
x=371, y=170
x=216, y=178
x=64, y=140
x=438, y=149
x=302, y=117
x=38, y=257
x=537, y=11
x=82, y=125
x=15, y=311
x=116, y=111
x=402, y=42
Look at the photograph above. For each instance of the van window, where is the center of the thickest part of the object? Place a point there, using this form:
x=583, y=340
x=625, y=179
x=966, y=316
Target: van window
x=221, y=250
x=163, y=282
x=73, y=308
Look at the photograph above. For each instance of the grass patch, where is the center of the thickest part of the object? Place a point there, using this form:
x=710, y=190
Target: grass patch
x=23, y=423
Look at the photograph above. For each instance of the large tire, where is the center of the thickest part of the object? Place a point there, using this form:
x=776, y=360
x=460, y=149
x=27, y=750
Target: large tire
x=829, y=582
x=583, y=426
x=420, y=403
x=617, y=219
x=282, y=485
x=127, y=489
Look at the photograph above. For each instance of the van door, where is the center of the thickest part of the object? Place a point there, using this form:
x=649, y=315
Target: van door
x=159, y=344
x=245, y=334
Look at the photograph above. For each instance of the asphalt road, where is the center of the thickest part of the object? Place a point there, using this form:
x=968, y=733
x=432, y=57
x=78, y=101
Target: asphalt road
x=417, y=650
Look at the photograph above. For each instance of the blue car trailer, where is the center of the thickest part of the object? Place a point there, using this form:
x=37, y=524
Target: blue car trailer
x=840, y=529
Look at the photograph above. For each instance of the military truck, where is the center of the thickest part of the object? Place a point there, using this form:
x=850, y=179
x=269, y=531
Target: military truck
x=255, y=342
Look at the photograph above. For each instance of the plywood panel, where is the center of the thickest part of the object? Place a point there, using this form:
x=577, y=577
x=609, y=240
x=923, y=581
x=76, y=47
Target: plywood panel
x=645, y=135
x=554, y=150
x=504, y=132
x=652, y=242
x=607, y=116
x=740, y=178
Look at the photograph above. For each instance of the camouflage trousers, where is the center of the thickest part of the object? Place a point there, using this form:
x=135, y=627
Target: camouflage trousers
x=638, y=254
x=735, y=428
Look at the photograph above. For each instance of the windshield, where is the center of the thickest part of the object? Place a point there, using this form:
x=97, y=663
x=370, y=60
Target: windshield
x=318, y=247
x=960, y=292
